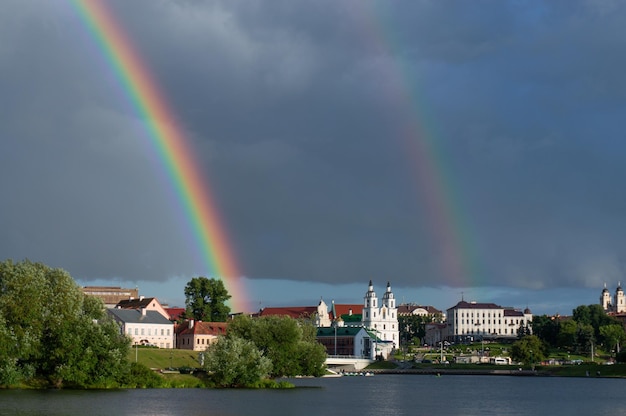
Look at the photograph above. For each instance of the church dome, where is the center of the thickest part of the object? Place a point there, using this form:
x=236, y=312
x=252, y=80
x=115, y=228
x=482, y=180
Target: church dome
x=527, y=311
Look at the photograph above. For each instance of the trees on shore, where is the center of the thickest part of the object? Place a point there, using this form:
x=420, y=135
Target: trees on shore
x=588, y=327
x=51, y=332
x=269, y=346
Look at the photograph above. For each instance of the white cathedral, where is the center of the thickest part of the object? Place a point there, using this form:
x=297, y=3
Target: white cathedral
x=380, y=319
x=383, y=319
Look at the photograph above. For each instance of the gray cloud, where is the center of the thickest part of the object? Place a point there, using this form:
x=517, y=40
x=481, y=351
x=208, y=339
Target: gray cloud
x=296, y=111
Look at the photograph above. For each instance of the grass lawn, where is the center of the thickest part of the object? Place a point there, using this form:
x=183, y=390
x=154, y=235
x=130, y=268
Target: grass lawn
x=164, y=358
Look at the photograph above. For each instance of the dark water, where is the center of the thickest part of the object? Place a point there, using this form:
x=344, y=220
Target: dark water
x=379, y=395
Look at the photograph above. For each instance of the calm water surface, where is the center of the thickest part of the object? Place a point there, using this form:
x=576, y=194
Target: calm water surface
x=379, y=395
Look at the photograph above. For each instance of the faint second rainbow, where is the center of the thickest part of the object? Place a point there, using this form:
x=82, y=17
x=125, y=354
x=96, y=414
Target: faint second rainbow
x=170, y=143
x=456, y=252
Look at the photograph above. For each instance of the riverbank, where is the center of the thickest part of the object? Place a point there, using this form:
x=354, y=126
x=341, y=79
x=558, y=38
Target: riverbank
x=583, y=370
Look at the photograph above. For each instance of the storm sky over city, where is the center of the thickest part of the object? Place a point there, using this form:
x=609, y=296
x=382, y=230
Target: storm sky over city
x=458, y=149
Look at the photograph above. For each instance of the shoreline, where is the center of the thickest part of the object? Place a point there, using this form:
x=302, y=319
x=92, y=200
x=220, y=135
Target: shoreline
x=450, y=371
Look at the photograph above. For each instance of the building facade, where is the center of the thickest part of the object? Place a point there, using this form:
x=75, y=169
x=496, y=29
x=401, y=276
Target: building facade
x=381, y=318
x=111, y=295
x=145, y=327
x=467, y=321
x=198, y=335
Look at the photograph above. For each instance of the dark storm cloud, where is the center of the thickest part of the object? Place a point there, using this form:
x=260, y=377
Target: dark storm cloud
x=295, y=111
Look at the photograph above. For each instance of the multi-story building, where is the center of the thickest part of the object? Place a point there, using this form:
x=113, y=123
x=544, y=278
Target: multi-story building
x=470, y=320
x=198, y=335
x=145, y=327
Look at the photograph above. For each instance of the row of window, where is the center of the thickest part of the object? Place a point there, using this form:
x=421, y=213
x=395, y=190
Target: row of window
x=478, y=331
x=367, y=314
x=471, y=321
x=471, y=314
x=150, y=331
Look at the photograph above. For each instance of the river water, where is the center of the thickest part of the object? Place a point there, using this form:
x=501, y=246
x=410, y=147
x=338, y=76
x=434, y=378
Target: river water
x=379, y=395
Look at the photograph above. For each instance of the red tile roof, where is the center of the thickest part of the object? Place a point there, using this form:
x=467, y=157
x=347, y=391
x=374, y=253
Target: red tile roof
x=175, y=313
x=202, y=328
x=345, y=309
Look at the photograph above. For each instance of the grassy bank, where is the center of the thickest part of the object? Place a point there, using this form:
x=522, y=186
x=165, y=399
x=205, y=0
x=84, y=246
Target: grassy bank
x=164, y=358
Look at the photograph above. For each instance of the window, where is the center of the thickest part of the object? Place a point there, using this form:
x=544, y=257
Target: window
x=136, y=331
x=162, y=331
x=142, y=331
x=168, y=332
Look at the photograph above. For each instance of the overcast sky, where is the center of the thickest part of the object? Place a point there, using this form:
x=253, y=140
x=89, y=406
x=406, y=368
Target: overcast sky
x=467, y=149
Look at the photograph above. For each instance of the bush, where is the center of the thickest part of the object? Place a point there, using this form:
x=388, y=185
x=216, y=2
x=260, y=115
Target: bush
x=141, y=376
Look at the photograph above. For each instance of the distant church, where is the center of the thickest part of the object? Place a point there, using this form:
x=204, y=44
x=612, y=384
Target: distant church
x=615, y=305
x=381, y=319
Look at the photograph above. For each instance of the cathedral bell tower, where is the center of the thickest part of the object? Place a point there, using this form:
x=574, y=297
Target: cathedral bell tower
x=370, y=307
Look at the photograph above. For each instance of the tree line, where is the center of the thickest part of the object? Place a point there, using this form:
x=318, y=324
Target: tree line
x=52, y=334
x=588, y=328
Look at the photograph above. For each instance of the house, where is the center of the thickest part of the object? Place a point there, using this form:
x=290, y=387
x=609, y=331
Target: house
x=467, y=321
x=145, y=327
x=149, y=304
x=198, y=335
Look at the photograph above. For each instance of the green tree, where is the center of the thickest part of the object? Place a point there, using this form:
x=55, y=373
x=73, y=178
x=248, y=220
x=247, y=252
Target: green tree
x=568, y=335
x=205, y=300
x=412, y=327
x=52, y=331
x=288, y=343
x=529, y=350
x=235, y=362
x=546, y=328
x=613, y=335
x=585, y=338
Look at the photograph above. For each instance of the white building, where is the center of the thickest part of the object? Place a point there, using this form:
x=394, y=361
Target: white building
x=383, y=319
x=469, y=320
x=615, y=305
x=145, y=327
